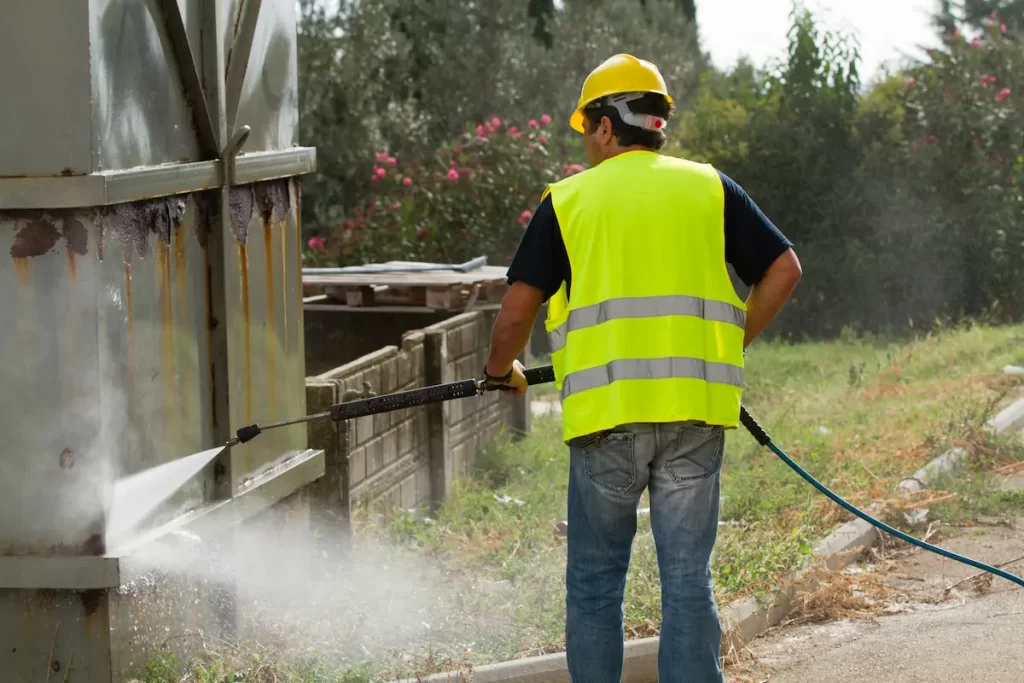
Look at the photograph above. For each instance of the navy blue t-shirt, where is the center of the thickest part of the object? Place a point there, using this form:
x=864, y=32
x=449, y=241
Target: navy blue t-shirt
x=752, y=243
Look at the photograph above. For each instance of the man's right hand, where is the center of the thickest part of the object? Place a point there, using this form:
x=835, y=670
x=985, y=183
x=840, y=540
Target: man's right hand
x=770, y=294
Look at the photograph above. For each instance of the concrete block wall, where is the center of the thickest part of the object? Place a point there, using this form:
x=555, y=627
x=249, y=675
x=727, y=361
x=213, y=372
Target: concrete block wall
x=411, y=457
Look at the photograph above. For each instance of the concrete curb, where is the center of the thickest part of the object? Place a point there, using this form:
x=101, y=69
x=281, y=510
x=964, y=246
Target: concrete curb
x=743, y=620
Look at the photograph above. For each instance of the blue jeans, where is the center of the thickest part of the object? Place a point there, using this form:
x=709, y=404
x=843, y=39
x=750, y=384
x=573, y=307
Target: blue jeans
x=681, y=463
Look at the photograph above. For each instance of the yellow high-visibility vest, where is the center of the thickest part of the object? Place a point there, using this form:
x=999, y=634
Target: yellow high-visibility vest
x=652, y=328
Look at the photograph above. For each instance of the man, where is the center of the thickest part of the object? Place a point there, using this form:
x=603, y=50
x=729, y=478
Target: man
x=647, y=336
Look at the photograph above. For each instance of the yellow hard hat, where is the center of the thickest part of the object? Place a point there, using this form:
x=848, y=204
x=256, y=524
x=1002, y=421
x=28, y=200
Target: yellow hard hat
x=619, y=74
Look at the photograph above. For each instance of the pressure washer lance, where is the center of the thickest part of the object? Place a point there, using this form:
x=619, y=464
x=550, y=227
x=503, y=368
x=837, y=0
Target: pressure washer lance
x=397, y=401
x=472, y=387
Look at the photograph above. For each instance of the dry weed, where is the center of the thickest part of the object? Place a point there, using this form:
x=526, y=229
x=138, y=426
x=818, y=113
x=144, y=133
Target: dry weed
x=826, y=595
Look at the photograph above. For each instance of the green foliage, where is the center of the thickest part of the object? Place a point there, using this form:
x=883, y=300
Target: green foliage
x=473, y=198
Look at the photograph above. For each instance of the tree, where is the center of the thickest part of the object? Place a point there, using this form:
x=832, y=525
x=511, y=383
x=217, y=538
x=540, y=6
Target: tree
x=540, y=12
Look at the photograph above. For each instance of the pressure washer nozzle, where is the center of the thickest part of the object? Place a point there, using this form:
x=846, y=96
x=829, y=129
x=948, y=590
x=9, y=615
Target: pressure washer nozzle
x=248, y=433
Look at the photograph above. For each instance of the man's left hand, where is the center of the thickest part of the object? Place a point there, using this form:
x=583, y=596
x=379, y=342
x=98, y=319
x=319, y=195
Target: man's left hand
x=516, y=384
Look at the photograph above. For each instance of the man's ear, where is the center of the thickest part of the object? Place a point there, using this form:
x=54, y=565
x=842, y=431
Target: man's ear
x=606, y=128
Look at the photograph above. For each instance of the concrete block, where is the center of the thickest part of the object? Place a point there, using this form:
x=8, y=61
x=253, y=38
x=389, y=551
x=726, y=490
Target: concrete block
x=455, y=409
x=364, y=429
x=381, y=423
x=357, y=465
x=353, y=382
x=404, y=437
x=423, y=493
x=389, y=376
x=390, y=441
x=372, y=375
x=454, y=339
x=404, y=369
x=1010, y=418
x=408, y=492
x=469, y=338
x=374, y=456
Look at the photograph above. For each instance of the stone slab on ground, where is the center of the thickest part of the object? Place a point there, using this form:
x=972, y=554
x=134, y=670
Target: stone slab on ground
x=926, y=635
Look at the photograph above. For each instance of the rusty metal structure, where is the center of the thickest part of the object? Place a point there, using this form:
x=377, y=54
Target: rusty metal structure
x=151, y=270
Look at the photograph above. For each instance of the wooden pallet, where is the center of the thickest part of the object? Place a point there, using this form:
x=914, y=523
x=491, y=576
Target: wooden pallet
x=435, y=290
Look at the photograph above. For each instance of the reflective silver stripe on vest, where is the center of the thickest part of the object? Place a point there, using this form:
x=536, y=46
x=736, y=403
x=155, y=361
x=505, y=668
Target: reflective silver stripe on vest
x=646, y=307
x=652, y=368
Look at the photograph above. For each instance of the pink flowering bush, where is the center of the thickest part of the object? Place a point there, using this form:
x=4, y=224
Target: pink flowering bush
x=474, y=197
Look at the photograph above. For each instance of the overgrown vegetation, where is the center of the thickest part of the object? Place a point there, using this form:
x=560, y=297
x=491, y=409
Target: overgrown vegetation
x=860, y=414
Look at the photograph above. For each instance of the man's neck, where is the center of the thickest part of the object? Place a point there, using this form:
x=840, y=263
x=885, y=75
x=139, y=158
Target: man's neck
x=616, y=150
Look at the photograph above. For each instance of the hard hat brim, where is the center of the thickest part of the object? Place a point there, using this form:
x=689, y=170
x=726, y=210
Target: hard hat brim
x=576, y=120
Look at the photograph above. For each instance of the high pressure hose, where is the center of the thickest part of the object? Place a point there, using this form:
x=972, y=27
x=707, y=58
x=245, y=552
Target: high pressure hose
x=761, y=436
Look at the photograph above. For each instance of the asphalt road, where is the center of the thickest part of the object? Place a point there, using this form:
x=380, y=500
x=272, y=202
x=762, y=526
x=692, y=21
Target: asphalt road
x=969, y=635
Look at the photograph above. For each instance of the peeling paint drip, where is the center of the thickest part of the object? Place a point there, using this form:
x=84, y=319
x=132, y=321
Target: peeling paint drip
x=240, y=208
x=134, y=221
x=35, y=239
x=204, y=216
x=272, y=200
x=76, y=236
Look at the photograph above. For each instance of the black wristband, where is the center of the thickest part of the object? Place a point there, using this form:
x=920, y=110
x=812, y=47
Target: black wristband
x=497, y=380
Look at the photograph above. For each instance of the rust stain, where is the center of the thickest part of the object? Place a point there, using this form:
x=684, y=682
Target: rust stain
x=270, y=333
x=72, y=266
x=243, y=262
x=181, y=286
x=35, y=239
x=23, y=271
x=129, y=318
x=163, y=258
x=283, y=230
x=211, y=323
x=91, y=600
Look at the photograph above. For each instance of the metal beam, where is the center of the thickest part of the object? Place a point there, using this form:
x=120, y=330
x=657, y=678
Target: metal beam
x=185, y=59
x=238, y=58
x=115, y=187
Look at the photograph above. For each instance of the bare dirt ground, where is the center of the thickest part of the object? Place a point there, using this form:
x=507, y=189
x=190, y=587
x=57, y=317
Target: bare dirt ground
x=907, y=617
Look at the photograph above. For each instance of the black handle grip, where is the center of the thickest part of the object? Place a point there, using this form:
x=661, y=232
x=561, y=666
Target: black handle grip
x=754, y=428
x=541, y=375
x=403, y=399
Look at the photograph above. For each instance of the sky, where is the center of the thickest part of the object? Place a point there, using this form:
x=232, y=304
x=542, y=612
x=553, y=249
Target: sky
x=886, y=29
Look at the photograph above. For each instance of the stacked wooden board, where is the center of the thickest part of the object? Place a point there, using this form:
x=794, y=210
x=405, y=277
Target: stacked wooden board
x=406, y=290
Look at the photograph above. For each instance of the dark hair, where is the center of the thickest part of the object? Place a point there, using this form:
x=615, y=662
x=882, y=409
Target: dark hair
x=628, y=136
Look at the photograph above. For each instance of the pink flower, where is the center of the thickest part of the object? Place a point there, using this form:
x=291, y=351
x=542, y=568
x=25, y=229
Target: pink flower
x=396, y=206
x=976, y=42
x=422, y=233
x=381, y=156
x=524, y=217
x=496, y=122
x=317, y=243
x=381, y=172
x=392, y=161
x=514, y=132
x=1003, y=94
x=956, y=33
x=453, y=175
x=532, y=123
x=543, y=138
x=1002, y=28
x=987, y=79
x=407, y=181
x=976, y=142
x=480, y=133
x=909, y=82
x=545, y=119
x=374, y=178
x=489, y=128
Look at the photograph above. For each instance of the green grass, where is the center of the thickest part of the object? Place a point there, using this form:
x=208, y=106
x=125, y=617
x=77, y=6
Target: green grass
x=859, y=414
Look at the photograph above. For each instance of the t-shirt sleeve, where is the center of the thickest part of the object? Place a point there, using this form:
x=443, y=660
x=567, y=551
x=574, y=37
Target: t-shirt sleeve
x=541, y=259
x=752, y=242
